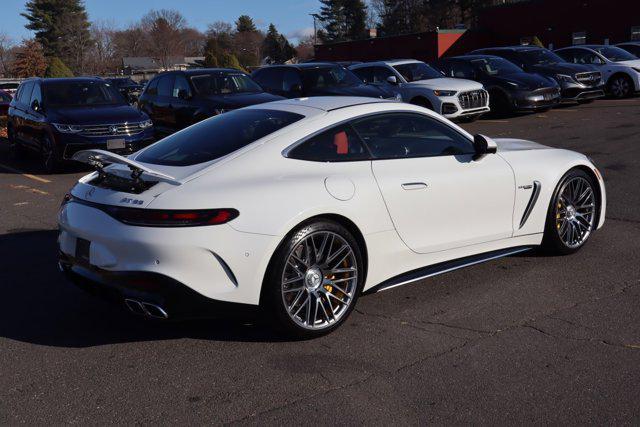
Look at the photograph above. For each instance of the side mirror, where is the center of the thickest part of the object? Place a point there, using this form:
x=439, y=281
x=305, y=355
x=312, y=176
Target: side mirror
x=392, y=80
x=183, y=94
x=296, y=89
x=483, y=146
x=35, y=106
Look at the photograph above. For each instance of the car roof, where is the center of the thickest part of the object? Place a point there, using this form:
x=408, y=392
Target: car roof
x=323, y=103
x=471, y=57
x=196, y=71
x=634, y=43
x=516, y=48
x=389, y=62
x=67, y=79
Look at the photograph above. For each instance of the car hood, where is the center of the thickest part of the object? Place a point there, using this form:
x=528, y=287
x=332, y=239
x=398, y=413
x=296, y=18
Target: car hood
x=510, y=144
x=239, y=100
x=369, y=91
x=95, y=115
x=447, y=83
x=528, y=80
x=562, y=68
x=632, y=63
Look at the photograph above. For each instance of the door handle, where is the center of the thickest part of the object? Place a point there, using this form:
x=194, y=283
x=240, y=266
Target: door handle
x=414, y=185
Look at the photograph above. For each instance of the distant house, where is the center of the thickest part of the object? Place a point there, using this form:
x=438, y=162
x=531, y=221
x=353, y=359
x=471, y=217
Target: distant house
x=145, y=67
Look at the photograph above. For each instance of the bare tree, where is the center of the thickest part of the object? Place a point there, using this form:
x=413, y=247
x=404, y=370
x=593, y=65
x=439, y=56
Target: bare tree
x=163, y=28
x=102, y=58
x=6, y=54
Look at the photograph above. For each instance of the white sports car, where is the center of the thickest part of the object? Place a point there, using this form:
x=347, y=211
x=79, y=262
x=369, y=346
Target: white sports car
x=299, y=206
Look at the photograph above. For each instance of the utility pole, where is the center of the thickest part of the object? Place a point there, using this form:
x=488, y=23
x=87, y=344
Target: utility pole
x=315, y=30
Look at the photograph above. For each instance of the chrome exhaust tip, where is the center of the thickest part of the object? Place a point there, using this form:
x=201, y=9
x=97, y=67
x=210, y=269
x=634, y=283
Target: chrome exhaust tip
x=146, y=309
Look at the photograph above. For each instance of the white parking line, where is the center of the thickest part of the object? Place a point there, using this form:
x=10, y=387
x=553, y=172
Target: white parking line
x=26, y=175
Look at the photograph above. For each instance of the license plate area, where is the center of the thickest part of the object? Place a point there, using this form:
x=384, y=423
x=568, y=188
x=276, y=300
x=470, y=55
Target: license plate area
x=115, y=144
x=82, y=249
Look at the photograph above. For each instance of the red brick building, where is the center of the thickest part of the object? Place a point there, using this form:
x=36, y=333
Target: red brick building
x=553, y=23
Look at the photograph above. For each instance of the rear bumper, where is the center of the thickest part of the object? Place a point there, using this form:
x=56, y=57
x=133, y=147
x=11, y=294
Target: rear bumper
x=177, y=300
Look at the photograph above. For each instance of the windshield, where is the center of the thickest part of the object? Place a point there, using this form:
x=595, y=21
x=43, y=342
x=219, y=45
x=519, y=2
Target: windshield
x=216, y=137
x=417, y=71
x=323, y=77
x=80, y=93
x=224, y=83
x=541, y=57
x=495, y=66
x=615, y=54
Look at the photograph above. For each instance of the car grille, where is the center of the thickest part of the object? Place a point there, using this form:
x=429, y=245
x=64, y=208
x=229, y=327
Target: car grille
x=473, y=99
x=591, y=78
x=122, y=129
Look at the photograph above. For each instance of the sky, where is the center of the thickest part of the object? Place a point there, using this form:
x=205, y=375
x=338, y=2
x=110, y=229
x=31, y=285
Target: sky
x=291, y=17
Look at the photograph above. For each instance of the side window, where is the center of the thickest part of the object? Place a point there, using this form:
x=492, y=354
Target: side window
x=363, y=74
x=36, y=95
x=338, y=144
x=165, y=85
x=25, y=93
x=398, y=135
x=380, y=74
x=152, y=89
x=462, y=70
x=269, y=79
x=181, y=88
x=291, y=80
x=582, y=56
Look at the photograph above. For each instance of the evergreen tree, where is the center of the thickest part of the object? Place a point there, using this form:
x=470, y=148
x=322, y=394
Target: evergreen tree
x=277, y=47
x=57, y=68
x=355, y=12
x=245, y=24
x=333, y=21
x=61, y=27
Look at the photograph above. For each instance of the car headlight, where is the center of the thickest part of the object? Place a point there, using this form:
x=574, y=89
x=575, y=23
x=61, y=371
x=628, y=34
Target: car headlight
x=67, y=128
x=146, y=124
x=564, y=78
x=438, y=92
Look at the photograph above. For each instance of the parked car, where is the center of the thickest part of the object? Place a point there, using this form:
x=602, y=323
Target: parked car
x=620, y=69
x=5, y=100
x=9, y=86
x=578, y=83
x=316, y=202
x=316, y=79
x=421, y=84
x=57, y=117
x=127, y=87
x=178, y=99
x=510, y=88
x=631, y=47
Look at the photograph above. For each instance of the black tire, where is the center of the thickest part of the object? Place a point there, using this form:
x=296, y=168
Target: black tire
x=620, y=86
x=273, y=295
x=499, y=103
x=552, y=242
x=51, y=157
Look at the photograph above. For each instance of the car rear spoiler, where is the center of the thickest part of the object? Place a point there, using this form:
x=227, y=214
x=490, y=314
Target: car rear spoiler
x=100, y=158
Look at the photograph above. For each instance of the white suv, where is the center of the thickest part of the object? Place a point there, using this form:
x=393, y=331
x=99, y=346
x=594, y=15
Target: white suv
x=420, y=84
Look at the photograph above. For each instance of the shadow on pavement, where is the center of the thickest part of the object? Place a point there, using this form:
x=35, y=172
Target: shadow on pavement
x=39, y=306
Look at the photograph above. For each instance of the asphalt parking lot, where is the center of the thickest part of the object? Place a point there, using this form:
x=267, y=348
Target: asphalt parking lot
x=524, y=339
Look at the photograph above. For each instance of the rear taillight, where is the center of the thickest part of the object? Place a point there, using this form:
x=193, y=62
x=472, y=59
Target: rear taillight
x=170, y=218
x=161, y=217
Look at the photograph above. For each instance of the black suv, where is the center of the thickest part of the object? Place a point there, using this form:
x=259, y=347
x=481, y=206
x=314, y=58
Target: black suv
x=579, y=83
x=58, y=117
x=127, y=87
x=316, y=79
x=177, y=99
x=510, y=88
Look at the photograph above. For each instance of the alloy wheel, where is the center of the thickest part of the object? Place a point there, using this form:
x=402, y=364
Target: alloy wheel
x=575, y=211
x=319, y=280
x=620, y=87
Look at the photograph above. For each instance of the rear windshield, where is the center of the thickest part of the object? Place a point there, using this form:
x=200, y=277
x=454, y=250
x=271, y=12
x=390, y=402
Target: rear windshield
x=216, y=137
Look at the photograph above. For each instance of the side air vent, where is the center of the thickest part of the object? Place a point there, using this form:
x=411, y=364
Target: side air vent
x=532, y=202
